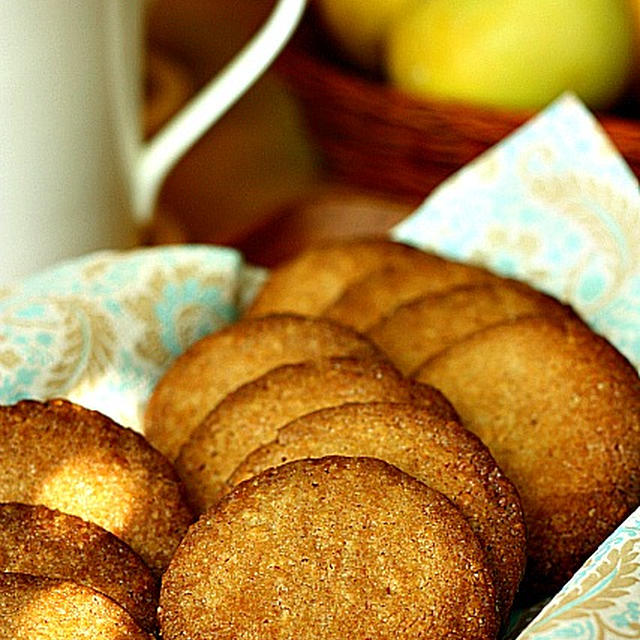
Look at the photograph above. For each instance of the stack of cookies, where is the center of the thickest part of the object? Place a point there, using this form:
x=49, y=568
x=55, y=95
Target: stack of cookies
x=479, y=392
x=462, y=443
x=387, y=444
x=90, y=517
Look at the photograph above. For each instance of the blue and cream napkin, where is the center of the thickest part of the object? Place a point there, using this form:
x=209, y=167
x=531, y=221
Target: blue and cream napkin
x=100, y=329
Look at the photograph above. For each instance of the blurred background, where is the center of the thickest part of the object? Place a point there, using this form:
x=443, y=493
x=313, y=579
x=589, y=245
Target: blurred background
x=257, y=180
x=331, y=142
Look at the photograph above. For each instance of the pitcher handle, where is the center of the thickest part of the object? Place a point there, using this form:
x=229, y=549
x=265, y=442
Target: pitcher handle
x=150, y=162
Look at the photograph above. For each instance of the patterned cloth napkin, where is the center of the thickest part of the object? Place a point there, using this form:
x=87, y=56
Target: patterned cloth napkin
x=100, y=330
x=553, y=203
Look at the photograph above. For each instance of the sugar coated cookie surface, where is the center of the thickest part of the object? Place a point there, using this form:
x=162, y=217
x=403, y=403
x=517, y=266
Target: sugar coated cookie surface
x=374, y=296
x=45, y=542
x=317, y=276
x=251, y=415
x=331, y=548
x=440, y=453
x=39, y=608
x=221, y=362
x=80, y=462
x=559, y=408
x=419, y=329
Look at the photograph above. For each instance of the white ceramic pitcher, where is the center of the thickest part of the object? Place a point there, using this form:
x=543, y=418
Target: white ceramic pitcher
x=75, y=175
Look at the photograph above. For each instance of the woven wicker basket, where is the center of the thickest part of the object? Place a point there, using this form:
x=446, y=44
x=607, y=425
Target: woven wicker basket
x=379, y=138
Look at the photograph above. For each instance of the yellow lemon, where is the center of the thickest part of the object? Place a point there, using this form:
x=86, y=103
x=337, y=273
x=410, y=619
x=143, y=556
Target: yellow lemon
x=360, y=26
x=513, y=53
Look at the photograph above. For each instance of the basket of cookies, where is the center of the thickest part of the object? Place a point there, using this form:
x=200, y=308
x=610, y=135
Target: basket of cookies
x=417, y=435
x=400, y=95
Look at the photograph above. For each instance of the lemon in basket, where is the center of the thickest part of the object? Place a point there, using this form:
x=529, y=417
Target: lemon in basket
x=513, y=53
x=359, y=27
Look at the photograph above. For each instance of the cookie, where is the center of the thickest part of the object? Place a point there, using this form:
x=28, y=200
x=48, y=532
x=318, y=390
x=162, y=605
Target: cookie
x=329, y=548
x=80, y=462
x=36, y=607
x=369, y=299
x=45, y=542
x=222, y=361
x=317, y=276
x=559, y=408
x=421, y=327
x=251, y=415
x=440, y=453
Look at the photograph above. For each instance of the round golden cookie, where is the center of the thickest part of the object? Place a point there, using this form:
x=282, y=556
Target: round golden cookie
x=422, y=327
x=440, y=453
x=80, y=462
x=251, y=415
x=45, y=542
x=41, y=608
x=559, y=408
x=329, y=548
x=369, y=299
x=222, y=361
x=317, y=276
